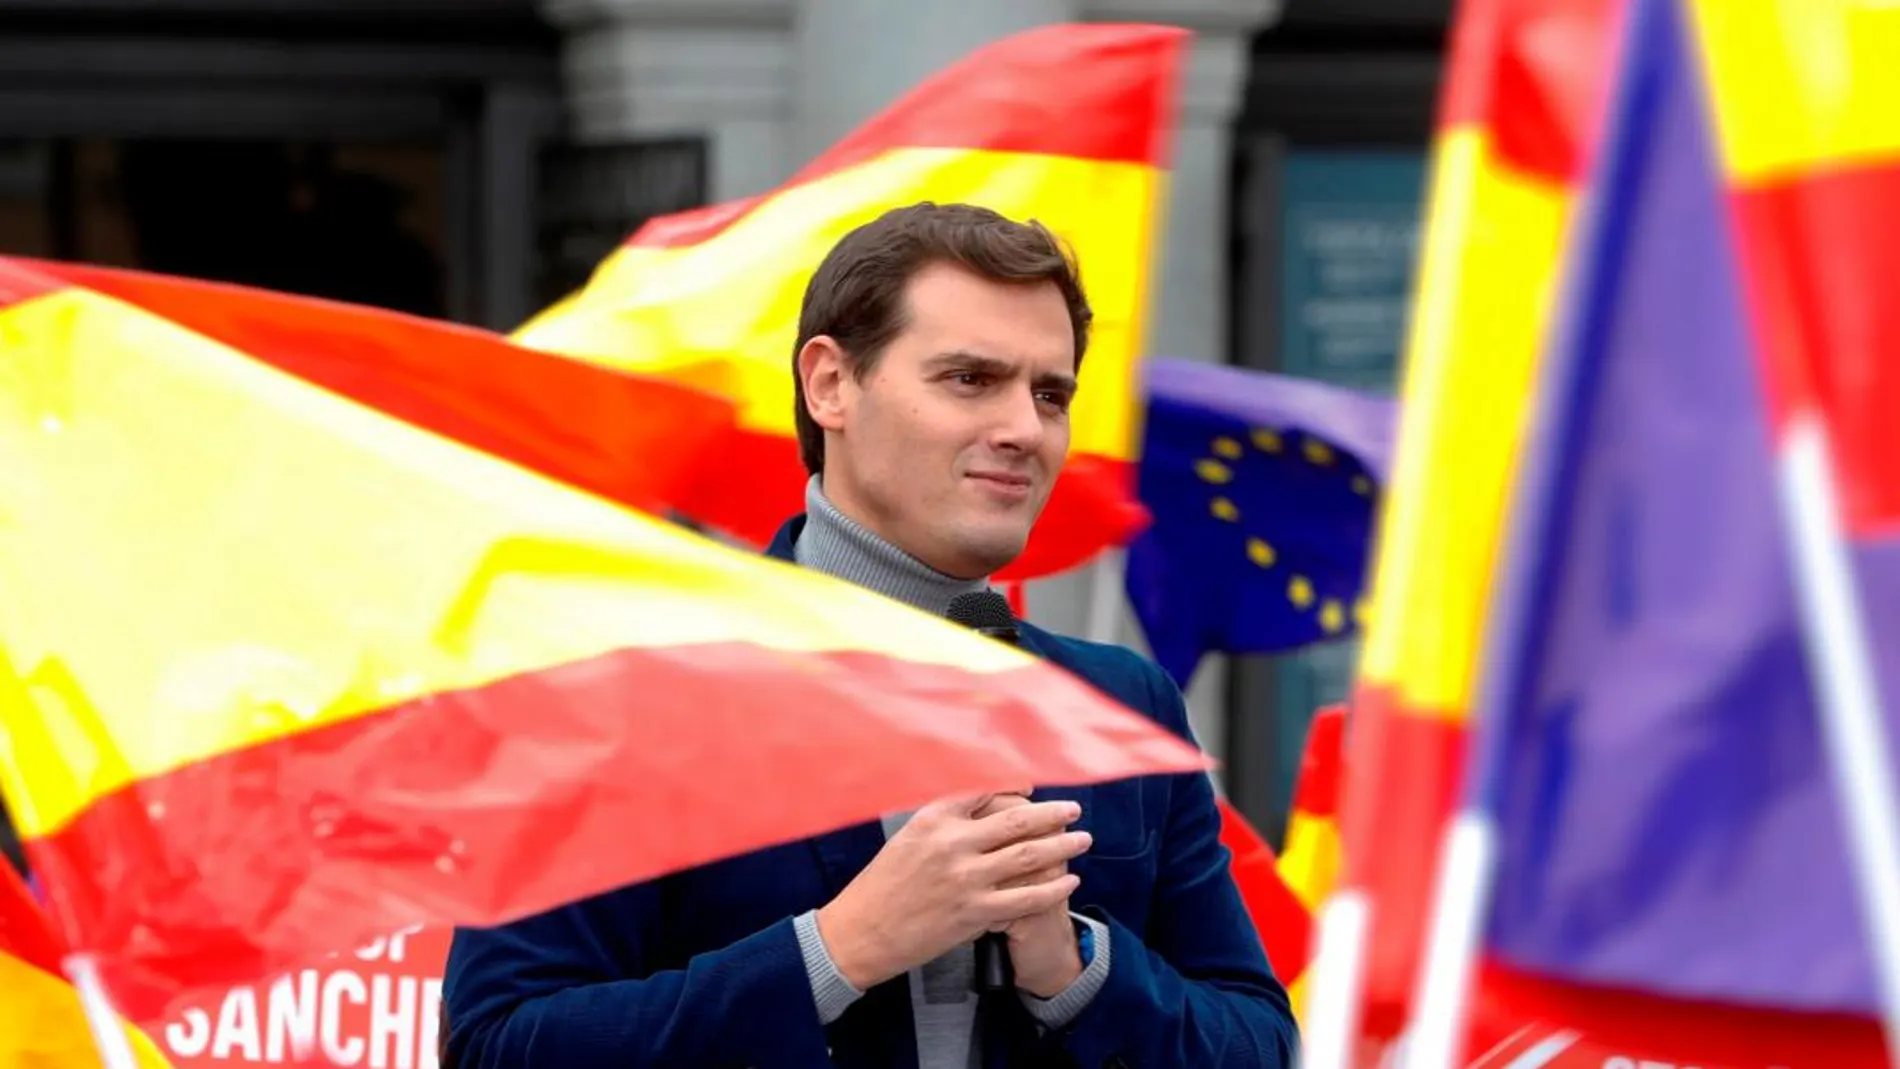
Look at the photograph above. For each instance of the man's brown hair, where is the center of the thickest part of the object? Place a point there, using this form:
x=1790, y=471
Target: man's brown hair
x=857, y=294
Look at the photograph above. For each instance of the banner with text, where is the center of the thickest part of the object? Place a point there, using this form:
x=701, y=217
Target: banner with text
x=378, y=1007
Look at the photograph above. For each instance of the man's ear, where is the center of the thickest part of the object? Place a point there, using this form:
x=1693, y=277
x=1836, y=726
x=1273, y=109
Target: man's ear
x=824, y=369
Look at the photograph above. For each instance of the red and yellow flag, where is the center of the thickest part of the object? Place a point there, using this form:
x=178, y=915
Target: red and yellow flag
x=1524, y=95
x=1069, y=125
x=280, y=671
x=634, y=439
x=42, y=1024
x=1309, y=863
x=1278, y=916
x=1283, y=893
x=1804, y=96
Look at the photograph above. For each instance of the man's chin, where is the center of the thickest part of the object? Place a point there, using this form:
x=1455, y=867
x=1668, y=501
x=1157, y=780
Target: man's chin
x=994, y=552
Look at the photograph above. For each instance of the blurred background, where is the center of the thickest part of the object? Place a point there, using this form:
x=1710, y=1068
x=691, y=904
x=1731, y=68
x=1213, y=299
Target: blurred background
x=474, y=159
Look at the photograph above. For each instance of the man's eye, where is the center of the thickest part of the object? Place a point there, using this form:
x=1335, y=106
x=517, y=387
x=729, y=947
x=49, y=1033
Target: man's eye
x=970, y=378
x=1056, y=400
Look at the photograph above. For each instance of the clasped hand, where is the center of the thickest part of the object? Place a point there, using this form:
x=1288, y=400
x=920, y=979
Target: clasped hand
x=957, y=869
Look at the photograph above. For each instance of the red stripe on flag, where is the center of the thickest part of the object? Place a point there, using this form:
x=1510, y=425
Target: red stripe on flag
x=1407, y=767
x=25, y=932
x=1819, y=256
x=476, y=806
x=1535, y=73
x=1093, y=503
x=20, y=282
x=631, y=439
x=1644, y=1029
x=1321, y=764
x=1021, y=94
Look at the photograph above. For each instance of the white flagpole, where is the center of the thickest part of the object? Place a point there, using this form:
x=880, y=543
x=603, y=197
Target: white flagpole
x=1333, y=1001
x=1105, y=596
x=1840, y=660
x=108, y=1034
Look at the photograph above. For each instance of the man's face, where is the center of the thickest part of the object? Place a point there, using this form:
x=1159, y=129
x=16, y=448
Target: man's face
x=949, y=446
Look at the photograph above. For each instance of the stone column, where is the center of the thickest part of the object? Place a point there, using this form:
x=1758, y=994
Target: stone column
x=657, y=68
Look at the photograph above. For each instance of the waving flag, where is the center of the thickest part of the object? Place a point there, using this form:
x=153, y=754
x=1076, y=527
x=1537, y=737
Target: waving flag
x=1283, y=893
x=1282, y=921
x=1672, y=865
x=633, y=439
x=280, y=672
x=42, y=1025
x=1310, y=861
x=1067, y=125
x=1263, y=489
x=1516, y=128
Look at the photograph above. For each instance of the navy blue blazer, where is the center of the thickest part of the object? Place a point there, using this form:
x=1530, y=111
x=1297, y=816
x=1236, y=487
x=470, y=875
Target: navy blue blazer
x=702, y=968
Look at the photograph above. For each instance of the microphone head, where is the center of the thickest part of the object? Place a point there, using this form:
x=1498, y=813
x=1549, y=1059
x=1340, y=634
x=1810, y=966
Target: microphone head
x=984, y=610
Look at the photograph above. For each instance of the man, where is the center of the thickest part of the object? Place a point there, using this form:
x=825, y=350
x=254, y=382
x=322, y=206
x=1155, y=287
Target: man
x=937, y=354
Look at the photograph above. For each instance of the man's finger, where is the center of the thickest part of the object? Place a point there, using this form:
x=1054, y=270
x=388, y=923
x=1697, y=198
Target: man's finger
x=1013, y=904
x=996, y=803
x=1033, y=820
x=971, y=805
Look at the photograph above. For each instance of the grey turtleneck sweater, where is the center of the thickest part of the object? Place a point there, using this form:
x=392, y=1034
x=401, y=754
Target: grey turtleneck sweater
x=941, y=1000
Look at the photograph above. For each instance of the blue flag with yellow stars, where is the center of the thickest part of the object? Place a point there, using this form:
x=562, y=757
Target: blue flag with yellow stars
x=1262, y=489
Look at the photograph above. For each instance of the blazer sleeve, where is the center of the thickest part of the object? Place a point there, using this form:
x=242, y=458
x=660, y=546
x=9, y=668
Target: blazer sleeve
x=1198, y=992
x=553, y=991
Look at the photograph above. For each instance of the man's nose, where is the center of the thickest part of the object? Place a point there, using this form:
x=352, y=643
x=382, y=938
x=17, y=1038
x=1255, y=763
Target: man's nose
x=1019, y=423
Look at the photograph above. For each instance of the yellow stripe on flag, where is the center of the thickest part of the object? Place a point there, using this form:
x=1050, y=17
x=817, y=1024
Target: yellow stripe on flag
x=1485, y=287
x=724, y=313
x=1310, y=862
x=1798, y=85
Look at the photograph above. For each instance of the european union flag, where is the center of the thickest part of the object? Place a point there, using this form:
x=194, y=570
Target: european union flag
x=1262, y=488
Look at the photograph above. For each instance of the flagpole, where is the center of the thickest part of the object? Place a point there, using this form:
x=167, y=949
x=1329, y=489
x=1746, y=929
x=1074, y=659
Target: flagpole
x=108, y=1034
x=1333, y=1002
x=1105, y=597
x=1840, y=659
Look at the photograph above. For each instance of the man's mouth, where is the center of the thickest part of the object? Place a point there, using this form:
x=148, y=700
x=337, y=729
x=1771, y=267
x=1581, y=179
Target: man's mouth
x=1003, y=483
x=1002, y=478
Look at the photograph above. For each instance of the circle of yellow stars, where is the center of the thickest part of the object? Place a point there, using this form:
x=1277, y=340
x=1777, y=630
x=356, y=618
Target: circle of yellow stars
x=1217, y=470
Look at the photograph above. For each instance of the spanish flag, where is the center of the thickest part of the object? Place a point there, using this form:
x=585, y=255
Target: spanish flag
x=1804, y=98
x=1523, y=98
x=42, y=1024
x=1309, y=862
x=280, y=671
x=634, y=439
x=1278, y=916
x=1068, y=125
x=1283, y=893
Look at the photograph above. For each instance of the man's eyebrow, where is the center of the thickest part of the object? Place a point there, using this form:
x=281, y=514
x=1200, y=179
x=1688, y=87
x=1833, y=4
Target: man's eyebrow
x=1054, y=380
x=964, y=360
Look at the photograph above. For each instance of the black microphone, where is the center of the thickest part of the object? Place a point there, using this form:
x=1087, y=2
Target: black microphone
x=987, y=613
